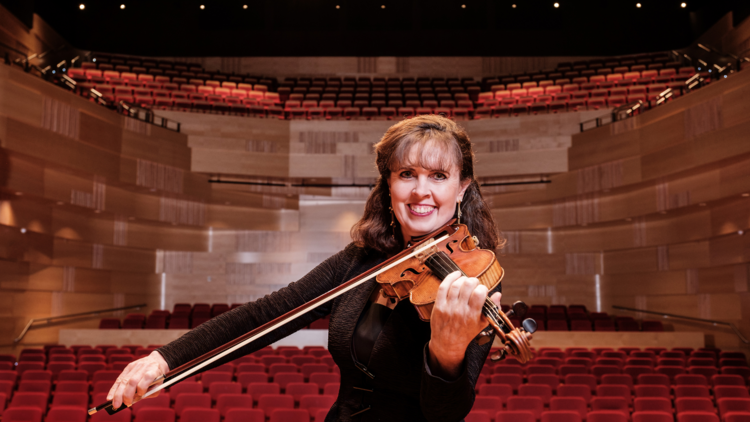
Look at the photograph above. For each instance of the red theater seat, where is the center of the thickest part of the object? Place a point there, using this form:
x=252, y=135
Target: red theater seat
x=66, y=414
x=245, y=415
x=186, y=400
x=571, y=404
x=653, y=417
x=299, y=389
x=270, y=402
x=697, y=417
x=614, y=404
x=693, y=405
x=36, y=400
x=228, y=402
x=22, y=414
x=606, y=416
x=490, y=405
x=528, y=404
x=516, y=416
x=257, y=389
x=184, y=387
x=652, y=404
x=155, y=415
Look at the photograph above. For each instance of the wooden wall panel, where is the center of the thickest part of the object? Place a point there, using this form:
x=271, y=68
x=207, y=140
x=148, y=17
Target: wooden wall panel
x=39, y=143
x=100, y=133
x=620, y=222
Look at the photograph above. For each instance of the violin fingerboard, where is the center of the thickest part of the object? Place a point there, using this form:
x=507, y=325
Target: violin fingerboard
x=441, y=265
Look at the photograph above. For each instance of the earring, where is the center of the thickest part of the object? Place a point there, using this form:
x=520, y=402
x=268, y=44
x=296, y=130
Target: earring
x=459, y=211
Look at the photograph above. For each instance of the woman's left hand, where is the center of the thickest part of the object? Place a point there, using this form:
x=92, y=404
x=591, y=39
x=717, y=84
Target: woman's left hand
x=456, y=320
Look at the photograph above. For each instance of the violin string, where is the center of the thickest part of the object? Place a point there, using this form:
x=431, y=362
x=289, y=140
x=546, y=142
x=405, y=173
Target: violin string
x=446, y=265
x=489, y=306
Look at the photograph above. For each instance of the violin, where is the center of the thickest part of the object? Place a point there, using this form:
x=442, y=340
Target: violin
x=418, y=279
x=416, y=273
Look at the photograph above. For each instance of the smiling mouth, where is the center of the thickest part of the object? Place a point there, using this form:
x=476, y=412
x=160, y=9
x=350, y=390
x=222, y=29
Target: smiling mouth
x=421, y=210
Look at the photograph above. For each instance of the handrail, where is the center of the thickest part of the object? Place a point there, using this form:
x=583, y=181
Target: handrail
x=666, y=315
x=48, y=322
x=147, y=115
x=627, y=110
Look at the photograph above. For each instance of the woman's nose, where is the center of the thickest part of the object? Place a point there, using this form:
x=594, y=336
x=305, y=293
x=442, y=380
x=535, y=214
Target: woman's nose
x=421, y=187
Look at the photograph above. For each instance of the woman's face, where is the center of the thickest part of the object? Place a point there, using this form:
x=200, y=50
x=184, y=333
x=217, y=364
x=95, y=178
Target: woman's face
x=424, y=200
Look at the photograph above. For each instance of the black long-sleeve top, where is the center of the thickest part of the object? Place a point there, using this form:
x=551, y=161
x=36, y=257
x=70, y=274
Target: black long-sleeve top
x=403, y=387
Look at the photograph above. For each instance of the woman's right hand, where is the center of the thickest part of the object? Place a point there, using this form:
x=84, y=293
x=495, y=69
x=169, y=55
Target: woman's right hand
x=134, y=381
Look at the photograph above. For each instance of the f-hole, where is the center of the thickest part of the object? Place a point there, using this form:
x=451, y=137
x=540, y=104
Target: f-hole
x=409, y=270
x=448, y=245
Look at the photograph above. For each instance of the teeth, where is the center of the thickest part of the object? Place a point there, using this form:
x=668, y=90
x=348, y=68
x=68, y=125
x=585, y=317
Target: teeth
x=421, y=209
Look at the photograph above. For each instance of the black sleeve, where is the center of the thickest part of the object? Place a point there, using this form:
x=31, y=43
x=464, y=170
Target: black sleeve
x=443, y=400
x=230, y=325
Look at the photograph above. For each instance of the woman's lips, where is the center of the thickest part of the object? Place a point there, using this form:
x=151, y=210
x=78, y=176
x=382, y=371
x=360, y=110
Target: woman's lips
x=421, y=210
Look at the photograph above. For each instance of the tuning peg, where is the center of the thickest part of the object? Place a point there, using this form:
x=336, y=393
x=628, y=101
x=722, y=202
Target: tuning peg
x=518, y=310
x=529, y=325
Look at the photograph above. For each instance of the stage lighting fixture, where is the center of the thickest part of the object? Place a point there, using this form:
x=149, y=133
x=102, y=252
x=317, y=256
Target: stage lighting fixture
x=122, y=6
x=463, y=6
x=514, y=6
x=638, y=5
x=203, y=6
x=81, y=6
x=382, y=6
x=557, y=5
x=244, y=6
x=338, y=7
x=683, y=5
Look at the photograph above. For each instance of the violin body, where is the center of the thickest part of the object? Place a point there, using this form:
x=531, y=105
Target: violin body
x=414, y=280
x=419, y=278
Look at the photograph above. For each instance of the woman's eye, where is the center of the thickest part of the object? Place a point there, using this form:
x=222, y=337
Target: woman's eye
x=405, y=174
x=440, y=176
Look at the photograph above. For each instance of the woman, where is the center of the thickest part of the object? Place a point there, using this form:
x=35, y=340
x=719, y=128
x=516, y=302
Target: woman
x=393, y=365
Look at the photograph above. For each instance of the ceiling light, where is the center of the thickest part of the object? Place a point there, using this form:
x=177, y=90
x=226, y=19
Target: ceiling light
x=122, y=6
x=338, y=7
x=244, y=6
x=202, y=7
x=683, y=5
x=638, y=5
x=557, y=5
x=463, y=6
x=81, y=6
x=514, y=6
x=382, y=6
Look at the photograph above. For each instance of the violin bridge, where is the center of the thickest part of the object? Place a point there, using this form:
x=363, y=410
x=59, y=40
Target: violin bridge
x=427, y=252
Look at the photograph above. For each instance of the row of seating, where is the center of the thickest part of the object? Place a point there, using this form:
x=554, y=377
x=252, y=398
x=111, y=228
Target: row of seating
x=30, y=407
x=638, y=60
x=168, y=68
x=110, y=349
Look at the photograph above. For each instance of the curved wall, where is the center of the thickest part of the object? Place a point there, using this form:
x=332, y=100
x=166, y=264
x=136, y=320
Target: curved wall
x=645, y=212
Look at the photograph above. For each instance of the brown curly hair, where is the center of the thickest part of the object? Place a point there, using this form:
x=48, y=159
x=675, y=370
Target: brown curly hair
x=444, y=137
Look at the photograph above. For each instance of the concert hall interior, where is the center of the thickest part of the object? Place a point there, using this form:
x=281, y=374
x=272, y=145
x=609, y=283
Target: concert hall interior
x=162, y=163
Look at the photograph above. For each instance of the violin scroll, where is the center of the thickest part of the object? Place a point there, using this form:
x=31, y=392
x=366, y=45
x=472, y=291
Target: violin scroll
x=515, y=340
